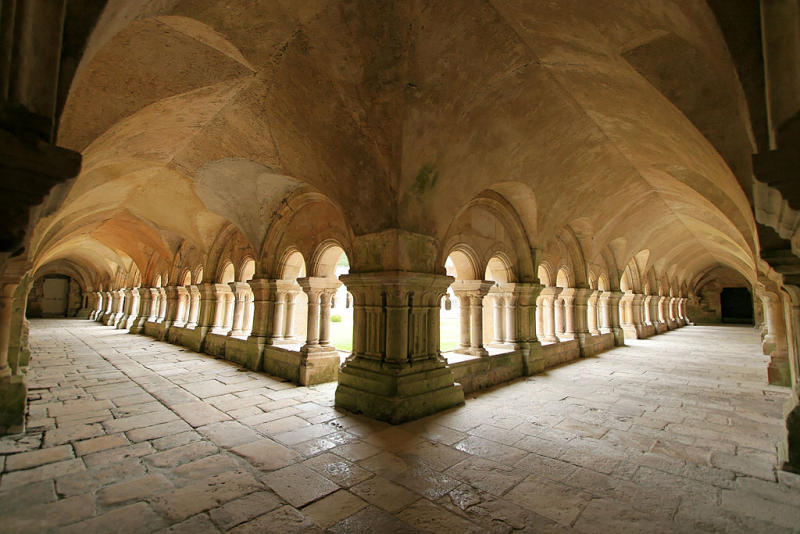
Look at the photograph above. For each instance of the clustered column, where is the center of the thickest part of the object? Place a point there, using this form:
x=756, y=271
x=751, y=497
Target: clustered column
x=472, y=292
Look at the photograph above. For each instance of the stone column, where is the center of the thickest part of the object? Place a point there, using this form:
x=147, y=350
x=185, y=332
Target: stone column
x=775, y=342
x=6, y=306
x=498, y=318
x=319, y=360
x=291, y=305
x=127, y=301
x=789, y=448
x=325, y=317
x=312, y=319
x=569, y=314
x=475, y=290
x=155, y=297
x=97, y=305
x=249, y=310
x=463, y=322
x=220, y=292
x=241, y=291
x=133, y=312
x=13, y=387
x=591, y=318
x=559, y=316
x=549, y=303
x=108, y=306
x=181, y=307
x=279, y=316
x=396, y=373
x=194, y=307
x=610, y=304
x=169, y=309
x=672, y=323
x=580, y=315
x=142, y=314
x=510, y=301
x=162, y=304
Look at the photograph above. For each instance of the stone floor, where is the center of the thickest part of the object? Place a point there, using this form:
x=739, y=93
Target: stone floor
x=126, y=434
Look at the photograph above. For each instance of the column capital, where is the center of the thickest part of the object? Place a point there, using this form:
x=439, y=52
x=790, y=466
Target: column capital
x=318, y=284
x=472, y=288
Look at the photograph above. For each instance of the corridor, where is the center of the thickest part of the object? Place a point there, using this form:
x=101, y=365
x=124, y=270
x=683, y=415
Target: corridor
x=676, y=433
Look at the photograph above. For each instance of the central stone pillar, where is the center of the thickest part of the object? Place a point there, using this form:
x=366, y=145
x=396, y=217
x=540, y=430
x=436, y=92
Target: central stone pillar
x=396, y=372
x=672, y=322
x=320, y=361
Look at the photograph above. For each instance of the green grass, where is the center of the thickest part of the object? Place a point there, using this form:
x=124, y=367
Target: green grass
x=342, y=333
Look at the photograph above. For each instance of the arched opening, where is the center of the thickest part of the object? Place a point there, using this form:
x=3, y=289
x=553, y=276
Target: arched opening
x=289, y=325
x=498, y=306
x=454, y=315
x=331, y=263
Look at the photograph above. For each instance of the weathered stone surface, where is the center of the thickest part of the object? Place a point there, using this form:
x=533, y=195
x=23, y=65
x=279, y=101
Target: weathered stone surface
x=200, y=496
x=244, y=509
x=333, y=508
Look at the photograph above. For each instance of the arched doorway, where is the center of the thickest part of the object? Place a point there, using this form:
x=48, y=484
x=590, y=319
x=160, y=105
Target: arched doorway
x=737, y=305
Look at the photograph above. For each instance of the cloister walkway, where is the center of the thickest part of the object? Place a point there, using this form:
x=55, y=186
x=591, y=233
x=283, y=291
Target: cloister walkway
x=127, y=434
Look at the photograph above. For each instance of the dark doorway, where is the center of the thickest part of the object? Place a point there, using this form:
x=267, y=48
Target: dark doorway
x=737, y=305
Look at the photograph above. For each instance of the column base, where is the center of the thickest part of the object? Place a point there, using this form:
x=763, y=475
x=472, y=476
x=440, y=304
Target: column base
x=83, y=313
x=478, y=351
x=533, y=361
x=13, y=398
x=397, y=394
x=778, y=371
x=246, y=352
x=318, y=364
x=789, y=448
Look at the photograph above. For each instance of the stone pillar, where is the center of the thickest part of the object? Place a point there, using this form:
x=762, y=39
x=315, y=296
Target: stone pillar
x=135, y=305
x=775, y=342
x=592, y=317
x=6, y=306
x=569, y=313
x=672, y=323
x=86, y=305
x=249, y=310
x=559, y=318
x=126, y=309
x=194, y=307
x=789, y=448
x=549, y=303
x=279, y=316
x=162, y=304
x=520, y=300
x=181, y=307
x=474, y=290
x=169, y=309
x=463, y=322
x=580, y=326
x=498, y=319
x=220, y=292
x=145, y=306
x=291, y=306
x=97, y=305
x=13, y=387
x=319, y=361
x=326, y=299
x=396, y=373
x=241, y=292
x=108, y=306
x=683, y=310
x=155, y=298
x=609, y=302
x=510, y=302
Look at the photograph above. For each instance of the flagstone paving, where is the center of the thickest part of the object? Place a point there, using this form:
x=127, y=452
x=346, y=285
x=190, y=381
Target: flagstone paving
x=126, y=434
